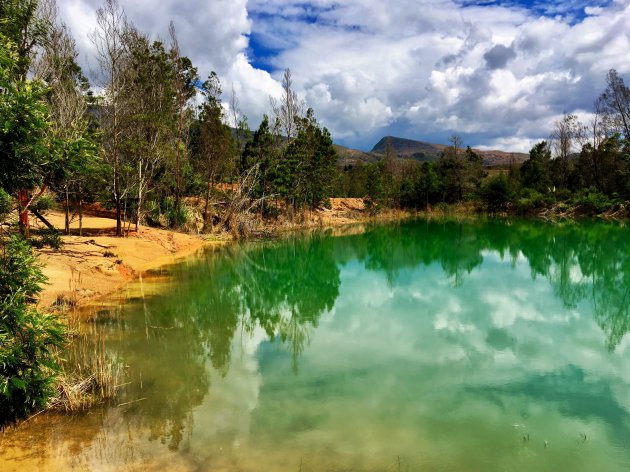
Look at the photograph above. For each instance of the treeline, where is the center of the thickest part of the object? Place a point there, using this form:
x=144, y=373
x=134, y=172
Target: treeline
x=147, y=134
x=580, y=167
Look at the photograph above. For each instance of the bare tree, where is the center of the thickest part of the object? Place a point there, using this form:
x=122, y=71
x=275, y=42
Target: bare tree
x=56, y=65
x=614, y=105
x=111, y=55
x=289, y=108
x=567, y=135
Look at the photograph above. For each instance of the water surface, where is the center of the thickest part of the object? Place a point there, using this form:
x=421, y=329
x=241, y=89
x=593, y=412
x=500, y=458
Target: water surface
x=422, y=346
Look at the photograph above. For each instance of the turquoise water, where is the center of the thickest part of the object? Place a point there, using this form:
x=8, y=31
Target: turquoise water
x=422, y=346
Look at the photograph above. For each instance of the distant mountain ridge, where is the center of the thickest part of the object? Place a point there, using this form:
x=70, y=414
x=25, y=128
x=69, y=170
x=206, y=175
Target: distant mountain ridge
x=422, y=151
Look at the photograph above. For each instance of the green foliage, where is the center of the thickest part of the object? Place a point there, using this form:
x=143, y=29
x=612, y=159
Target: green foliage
x=531, y=200
x=43, y=203
x=6, y=204
x=27, y=338
x=495, y=193
x=594, y=202
x=23, y=125
x=48, y=237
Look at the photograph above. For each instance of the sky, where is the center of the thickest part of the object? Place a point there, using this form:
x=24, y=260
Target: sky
x=498, y=73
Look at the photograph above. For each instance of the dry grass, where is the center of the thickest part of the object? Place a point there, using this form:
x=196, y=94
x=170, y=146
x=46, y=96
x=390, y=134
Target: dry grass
x=94, y=377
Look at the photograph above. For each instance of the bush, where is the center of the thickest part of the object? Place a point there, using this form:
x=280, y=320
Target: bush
x=164, y=213
x=6, y=204
x=43, y=203
x=28, y=338
x=532, y=200
x=593, y=202
x=48, y=237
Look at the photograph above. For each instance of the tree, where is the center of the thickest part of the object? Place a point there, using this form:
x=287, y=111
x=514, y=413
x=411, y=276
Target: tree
x=24, y=153
x=535, y=172
x=319, y=164
x=73, y=148
x=151, y=95
x=261, y=152
x=614, y=105
x=108, y=39
x=452, y=169
x=216, y=149
x=289, y=108
x=27, y=338
x=495, y=193
x=567, y=134
x=24, y=24
x=185, y=79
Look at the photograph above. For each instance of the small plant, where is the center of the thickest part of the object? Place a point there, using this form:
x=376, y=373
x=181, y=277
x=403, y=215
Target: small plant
x=6, y=204
x=43, y=203
x=109, y=254
x=48, y=237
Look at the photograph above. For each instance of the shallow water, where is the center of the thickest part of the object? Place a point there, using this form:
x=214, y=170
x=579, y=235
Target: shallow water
x=423, y=346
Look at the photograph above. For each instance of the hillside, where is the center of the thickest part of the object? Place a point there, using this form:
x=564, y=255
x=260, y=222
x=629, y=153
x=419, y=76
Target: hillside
x=422, y=151
x=349, y=156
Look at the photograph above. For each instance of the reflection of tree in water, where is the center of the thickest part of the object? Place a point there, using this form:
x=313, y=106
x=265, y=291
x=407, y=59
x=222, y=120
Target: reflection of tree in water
x=169, y=339
x=392, y=248
x=284, y=287
x=287, y=286
x=586, y=261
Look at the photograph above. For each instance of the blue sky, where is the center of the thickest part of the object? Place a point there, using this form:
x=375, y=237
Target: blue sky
x=499, y=73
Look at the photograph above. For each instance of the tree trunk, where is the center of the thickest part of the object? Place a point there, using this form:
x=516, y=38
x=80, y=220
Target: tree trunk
x=118, y=216
x=41, y=218
x=67, y=210
x=23, y=203
x=138, y=212
x=80, y=214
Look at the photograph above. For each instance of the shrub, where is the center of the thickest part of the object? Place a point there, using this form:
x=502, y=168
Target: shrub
x=51, y=237
x=43, y=203
x=532, y=200
x=27, y=338
x=6, y=204
x=593, y=202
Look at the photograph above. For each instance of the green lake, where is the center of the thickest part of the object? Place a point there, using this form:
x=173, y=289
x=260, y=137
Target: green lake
x=420, y=346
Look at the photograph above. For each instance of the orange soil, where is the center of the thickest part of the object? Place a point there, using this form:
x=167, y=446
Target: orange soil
x=89, y=267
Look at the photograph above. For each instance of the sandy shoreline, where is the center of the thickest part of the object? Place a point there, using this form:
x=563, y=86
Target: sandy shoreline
x=97, y=264
x=93, y=266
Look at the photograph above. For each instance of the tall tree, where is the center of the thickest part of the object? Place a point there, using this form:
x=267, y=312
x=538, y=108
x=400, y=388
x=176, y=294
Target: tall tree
x=72, y=144
x=216, y=148
x=151, y=94
x=186, y=78
x=452, y=169
x=289, y=108
x=614, y=104
x=108, y=39
x=567, y=135
x=261, y=152
x=24, y=153
x=536, y=172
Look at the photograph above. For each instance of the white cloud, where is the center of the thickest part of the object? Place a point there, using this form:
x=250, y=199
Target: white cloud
x=499, y=75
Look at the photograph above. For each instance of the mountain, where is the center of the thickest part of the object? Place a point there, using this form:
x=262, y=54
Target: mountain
x=422, y=151
x=349, y=156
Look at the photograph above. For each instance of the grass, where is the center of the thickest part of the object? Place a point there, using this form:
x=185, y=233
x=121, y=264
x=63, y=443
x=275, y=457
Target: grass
x=94, y=377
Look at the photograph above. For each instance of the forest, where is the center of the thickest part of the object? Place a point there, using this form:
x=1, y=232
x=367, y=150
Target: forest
x=151, y=141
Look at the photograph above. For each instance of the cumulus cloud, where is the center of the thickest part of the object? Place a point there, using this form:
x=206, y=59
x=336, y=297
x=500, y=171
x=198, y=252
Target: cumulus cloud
x=499, y=73
x=498, y=56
